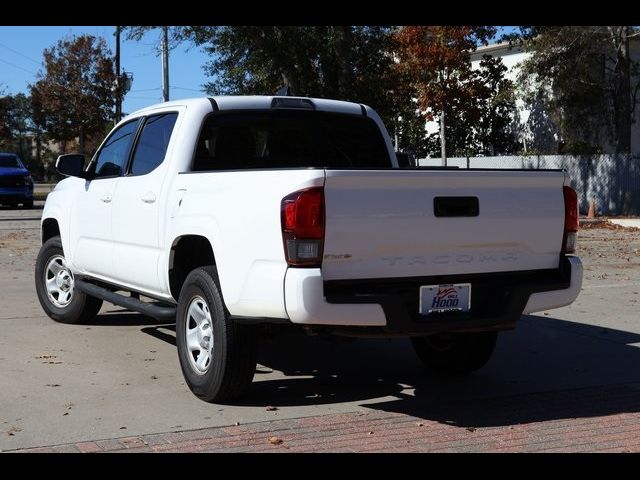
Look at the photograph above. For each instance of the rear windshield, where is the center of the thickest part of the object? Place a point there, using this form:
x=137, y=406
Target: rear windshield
x=9, y=161
x=289, y=139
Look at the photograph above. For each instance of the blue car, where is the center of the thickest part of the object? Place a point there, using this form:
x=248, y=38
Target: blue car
x=16, y=184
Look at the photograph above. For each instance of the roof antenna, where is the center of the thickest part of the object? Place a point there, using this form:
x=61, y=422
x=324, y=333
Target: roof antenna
x=284, y=91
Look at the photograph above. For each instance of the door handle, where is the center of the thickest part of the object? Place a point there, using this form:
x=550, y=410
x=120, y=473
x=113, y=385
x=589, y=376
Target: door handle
x=106, y=198
x=149, y=197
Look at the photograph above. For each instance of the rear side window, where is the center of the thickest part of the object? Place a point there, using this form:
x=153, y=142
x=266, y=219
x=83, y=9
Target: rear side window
x=152, y=145
x=289, y=139
x=112, y=158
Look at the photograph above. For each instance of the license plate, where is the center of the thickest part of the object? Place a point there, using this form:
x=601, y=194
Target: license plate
x=445, y=298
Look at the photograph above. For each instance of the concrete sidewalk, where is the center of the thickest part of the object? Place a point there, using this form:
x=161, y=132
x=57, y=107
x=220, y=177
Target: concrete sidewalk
x=567, y=421
x=626, y=222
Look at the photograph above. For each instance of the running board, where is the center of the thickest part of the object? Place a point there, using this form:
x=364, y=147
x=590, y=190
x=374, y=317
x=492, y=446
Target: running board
x=167, y=313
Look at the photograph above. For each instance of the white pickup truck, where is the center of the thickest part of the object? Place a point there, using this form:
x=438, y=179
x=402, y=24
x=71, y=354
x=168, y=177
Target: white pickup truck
x=224, y=213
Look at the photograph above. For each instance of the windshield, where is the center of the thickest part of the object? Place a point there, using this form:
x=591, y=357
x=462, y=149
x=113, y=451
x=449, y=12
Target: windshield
x=10, y=161
x=289, y=139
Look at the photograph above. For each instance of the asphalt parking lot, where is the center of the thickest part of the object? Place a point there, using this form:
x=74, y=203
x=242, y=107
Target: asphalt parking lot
x=119, y=377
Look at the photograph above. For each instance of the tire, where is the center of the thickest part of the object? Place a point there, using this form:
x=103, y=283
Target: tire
x=78, y=307
x=225, y=371
x=28, y=204
x=455, y=353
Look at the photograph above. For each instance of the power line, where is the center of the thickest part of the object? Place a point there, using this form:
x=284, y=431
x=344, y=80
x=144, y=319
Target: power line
x=189, y=89
x=17, y=66
x=18, y=53
x=144, y=98
x=146, y=89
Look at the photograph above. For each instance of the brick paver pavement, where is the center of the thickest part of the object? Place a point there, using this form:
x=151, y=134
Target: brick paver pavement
x=595, y=419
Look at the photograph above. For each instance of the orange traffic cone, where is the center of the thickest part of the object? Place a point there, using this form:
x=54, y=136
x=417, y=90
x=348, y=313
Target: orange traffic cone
x=592, y=209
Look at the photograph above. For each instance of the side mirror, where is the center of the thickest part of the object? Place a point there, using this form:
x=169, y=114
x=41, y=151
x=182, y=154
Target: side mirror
x=71, y=165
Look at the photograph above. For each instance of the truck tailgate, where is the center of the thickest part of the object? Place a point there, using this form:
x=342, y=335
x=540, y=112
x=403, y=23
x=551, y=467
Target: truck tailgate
x=383, y=224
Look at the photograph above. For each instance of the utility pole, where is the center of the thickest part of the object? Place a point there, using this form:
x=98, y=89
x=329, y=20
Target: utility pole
x=443, y=143
x=118, y=86
x=165, y=65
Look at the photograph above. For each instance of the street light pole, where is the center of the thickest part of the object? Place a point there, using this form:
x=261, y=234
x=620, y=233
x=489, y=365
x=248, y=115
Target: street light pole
x=443, y=140
x=118, y=86
x=165, y=65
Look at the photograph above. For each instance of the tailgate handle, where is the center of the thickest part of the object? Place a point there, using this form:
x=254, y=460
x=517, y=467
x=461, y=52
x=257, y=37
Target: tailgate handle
x=456, y=206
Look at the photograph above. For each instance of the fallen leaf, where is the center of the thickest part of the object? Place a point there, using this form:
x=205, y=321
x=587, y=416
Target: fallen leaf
x=370, y=433
x=471, y=429
x=123, y=428
x=271, y=409
x=420, y=424
x=237, y=423
x=275, y=441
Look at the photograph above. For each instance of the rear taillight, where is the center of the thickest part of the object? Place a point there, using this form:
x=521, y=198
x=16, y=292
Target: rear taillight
x=303, y=227
x=570, y=220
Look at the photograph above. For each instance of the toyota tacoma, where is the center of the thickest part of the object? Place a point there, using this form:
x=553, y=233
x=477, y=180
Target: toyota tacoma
x=228, y=212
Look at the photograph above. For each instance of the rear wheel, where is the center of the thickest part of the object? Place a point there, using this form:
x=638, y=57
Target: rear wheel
x=455, y=353
x=217, y=355
x=55, y=287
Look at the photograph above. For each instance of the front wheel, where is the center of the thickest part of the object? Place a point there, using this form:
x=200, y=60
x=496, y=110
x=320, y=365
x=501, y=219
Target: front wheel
x=217, y=355
x=455, y=353
x=55, y=287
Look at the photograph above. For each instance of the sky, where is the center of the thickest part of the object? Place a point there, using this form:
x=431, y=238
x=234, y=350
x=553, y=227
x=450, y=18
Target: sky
x=21, y=51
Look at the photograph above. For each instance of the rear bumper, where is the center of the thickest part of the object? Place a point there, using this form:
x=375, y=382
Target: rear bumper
x=391, y=305
x=558, y=298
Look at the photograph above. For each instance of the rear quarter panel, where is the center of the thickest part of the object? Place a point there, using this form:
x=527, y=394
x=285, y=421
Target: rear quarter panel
x=239, y=213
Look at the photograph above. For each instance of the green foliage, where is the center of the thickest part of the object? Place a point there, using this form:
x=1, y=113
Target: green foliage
x=496, y=130
x=16, y=124
x=343, y=62
x=73, y=97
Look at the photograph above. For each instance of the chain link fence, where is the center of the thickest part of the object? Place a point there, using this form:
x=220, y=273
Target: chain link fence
x=611, y=181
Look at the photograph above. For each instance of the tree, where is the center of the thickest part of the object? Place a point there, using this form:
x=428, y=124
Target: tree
x=5, y=130
x=73, y=97
x=475, y=107
x=341, y=62
x=330, y=61
x=16, y=123
x=21, y=123
x=587, y=81
x=496, y=131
